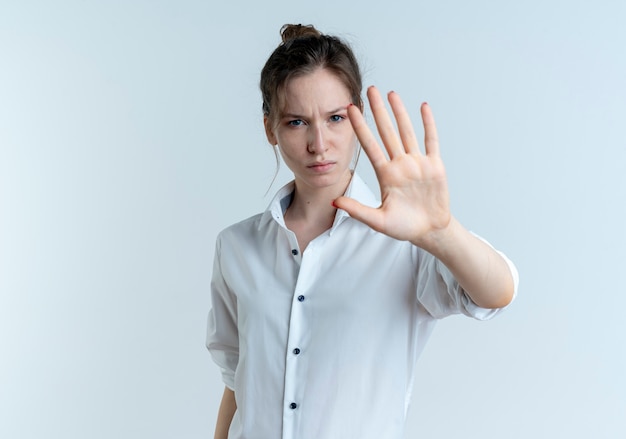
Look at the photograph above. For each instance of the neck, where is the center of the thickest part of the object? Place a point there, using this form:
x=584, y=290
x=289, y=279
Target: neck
x=314, y=205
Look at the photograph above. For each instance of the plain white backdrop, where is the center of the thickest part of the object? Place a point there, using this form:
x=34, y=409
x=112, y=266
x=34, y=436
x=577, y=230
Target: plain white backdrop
x=131, y=134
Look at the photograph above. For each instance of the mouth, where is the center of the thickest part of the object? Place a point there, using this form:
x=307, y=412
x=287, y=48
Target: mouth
x=321, y=166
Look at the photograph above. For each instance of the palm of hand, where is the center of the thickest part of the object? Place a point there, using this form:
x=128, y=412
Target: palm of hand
x=414, y=193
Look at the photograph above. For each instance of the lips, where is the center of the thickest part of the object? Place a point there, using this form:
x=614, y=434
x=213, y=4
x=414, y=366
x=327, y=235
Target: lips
x=321, y=166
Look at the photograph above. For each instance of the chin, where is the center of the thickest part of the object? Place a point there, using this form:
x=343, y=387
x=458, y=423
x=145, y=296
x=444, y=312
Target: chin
x=326, y=180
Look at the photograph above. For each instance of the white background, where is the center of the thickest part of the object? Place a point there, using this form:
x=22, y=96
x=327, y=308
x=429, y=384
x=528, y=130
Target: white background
x=130, y=135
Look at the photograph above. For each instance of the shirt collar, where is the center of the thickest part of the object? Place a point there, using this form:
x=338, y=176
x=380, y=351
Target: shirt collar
x=357, y=189
x=278, y=205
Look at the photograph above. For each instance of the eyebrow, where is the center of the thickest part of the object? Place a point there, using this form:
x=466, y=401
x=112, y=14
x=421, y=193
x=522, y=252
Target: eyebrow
x=298, y=116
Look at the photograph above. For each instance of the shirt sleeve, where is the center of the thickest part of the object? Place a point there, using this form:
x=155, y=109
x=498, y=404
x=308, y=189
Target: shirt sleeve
x=222, y=334
x=441, y=295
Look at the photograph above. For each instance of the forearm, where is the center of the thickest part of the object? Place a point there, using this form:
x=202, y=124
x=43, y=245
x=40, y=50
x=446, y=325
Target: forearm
x=228, y=406
x=480, y=270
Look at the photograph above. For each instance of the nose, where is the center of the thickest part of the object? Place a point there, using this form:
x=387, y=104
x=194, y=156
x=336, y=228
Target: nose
x=316, y=142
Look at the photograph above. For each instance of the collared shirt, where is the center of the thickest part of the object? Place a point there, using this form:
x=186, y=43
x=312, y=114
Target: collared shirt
x=323, y=344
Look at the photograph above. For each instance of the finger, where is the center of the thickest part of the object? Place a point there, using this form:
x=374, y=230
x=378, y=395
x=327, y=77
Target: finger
x=384, y=124
x=405, y=126
x=366, y=137
x=431, y=139
x=369, y=216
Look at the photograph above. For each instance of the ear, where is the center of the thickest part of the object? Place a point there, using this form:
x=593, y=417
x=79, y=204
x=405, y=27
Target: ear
x=269, y=131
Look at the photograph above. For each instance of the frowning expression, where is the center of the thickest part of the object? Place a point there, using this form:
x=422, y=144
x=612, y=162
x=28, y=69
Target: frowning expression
x=313, y=133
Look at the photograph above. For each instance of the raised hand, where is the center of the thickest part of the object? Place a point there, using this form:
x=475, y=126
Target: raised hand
x=414, y=192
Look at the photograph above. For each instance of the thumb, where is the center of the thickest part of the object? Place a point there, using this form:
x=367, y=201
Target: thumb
x=367, y=215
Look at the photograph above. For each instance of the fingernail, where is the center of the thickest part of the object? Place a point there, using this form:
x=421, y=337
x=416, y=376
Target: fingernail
x=334, y=205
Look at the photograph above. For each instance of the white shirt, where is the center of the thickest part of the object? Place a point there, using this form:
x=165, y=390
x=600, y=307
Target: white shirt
x=324, y=344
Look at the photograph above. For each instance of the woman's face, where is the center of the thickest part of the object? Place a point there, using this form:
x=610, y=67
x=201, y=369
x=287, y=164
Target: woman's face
x=313, y=133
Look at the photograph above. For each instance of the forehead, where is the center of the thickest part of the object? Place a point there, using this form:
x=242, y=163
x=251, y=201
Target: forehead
x=321, y=90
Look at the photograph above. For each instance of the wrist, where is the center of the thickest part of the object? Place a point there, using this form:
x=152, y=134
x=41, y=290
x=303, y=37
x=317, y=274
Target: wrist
x=439, y=241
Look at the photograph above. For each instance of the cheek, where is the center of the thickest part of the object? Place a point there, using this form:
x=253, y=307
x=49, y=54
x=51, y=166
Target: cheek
x=287, y=152
x=352, y=143
x=291, y=143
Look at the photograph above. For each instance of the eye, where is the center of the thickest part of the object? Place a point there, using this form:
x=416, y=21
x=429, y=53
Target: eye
x=295, y=123
x=336, y=118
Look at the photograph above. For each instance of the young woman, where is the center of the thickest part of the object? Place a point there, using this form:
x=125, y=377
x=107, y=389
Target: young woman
x=322, y=304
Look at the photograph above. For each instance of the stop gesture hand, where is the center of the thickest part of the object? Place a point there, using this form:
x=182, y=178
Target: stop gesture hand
x=414, y=192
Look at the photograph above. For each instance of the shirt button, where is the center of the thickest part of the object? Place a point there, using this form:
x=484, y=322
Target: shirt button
x=294, y=252
x=300, y=298
x=296, y=351
x=293, y=406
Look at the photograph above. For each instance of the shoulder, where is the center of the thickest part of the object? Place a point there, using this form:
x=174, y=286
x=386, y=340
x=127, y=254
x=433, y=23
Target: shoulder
x=242, y=230
x=257, y=228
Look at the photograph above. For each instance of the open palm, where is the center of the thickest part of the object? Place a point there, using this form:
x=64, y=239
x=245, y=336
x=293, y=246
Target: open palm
x=414, y=193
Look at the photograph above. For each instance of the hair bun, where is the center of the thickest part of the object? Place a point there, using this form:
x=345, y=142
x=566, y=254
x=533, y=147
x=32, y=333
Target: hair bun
x=293, y=31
